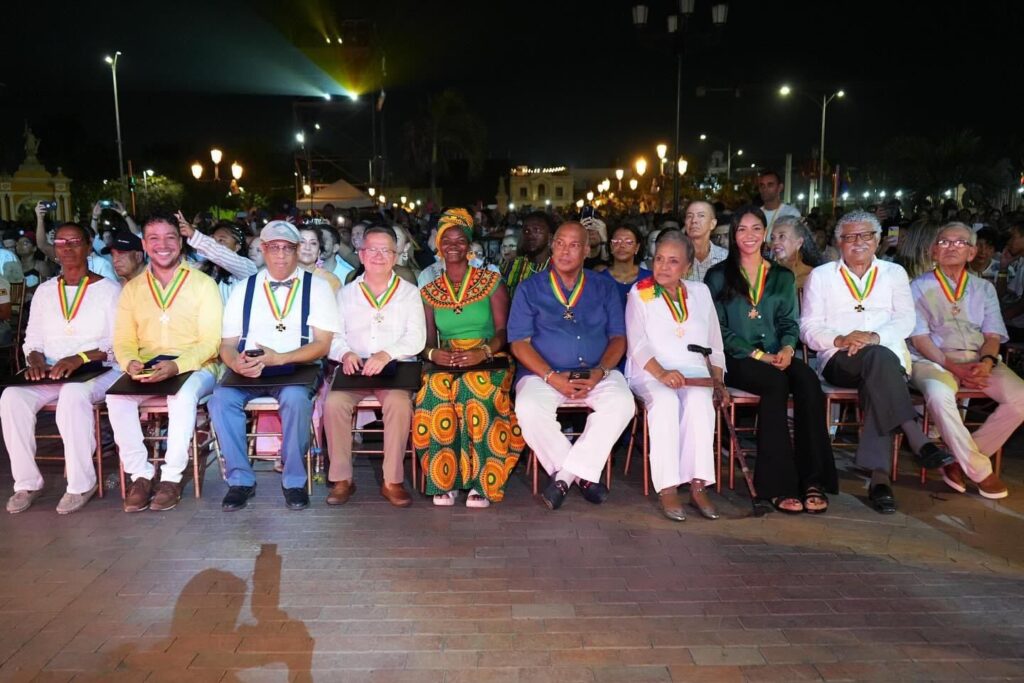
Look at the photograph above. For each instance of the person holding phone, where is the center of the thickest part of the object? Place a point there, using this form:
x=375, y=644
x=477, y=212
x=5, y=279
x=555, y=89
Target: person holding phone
x=664, y=314
x=381, y=320
x=569, y=319
x=464, y=431
x=70, y=324
x=271, y=312
x=168, y=323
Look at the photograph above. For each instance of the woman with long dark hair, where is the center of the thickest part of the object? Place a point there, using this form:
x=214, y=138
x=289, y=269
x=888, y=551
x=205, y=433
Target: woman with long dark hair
x=757, y=308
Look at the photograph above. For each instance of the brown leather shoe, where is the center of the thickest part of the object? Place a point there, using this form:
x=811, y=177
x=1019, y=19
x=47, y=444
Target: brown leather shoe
x=167, y=495
x=340, y=492
x=954, y=477
x=396, y=495
x=991, y=487
x=138, y=496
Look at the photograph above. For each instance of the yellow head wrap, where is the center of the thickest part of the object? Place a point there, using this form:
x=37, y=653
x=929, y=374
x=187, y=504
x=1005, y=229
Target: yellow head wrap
x=454, y=218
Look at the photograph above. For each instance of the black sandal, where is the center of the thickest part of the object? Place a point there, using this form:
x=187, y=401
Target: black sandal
x=776, y=504
x=813, y=492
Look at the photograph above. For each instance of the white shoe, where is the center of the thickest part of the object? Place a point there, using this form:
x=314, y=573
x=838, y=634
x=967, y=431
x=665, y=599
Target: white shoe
x=21, y=501
x=73, y=502
x=477, y=500
x=446, y=500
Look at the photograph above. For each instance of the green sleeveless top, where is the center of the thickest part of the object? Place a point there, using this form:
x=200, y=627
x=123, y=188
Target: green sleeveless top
x=474, y=319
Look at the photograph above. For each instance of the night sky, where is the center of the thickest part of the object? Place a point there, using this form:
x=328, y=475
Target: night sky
x=555, y=82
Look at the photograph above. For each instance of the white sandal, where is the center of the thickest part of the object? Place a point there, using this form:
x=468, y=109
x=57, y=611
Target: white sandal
x=446, y=500
x=477, y=500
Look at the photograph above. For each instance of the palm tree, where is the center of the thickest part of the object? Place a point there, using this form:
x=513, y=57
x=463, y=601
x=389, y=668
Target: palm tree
x=446, y=130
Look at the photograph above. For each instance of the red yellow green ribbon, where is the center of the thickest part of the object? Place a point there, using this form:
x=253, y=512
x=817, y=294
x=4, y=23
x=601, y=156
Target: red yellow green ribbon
x=574, y=295
x=677, y=304
x=382, y=301
x=953, y=293
x=70, y=310
x=164, y=298
x=457, y=298
x=280, y=313
x=755, y=290
x=856, y=291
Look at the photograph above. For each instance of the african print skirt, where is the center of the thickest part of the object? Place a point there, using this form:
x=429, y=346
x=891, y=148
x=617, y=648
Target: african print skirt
x=464, y=431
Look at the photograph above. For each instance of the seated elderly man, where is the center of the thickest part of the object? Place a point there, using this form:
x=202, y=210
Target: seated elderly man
x=956, y=345
x=568, y=332
x=856, y=315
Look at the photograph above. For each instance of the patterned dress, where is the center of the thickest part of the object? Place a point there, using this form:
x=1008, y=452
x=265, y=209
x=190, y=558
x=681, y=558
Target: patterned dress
x=464, y=431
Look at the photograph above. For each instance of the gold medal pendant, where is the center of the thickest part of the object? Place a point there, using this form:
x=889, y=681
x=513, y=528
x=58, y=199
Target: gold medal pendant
x=568, y=315
x=754, y=314
x=956, y=309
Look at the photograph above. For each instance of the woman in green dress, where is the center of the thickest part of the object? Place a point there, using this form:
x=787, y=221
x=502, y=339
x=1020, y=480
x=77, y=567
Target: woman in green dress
x=757, y=309
x=464, y=432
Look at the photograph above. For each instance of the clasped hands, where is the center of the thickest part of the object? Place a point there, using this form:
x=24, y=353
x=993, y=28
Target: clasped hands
x=970, y=375
x=458, y=359
x=37, y=368
x=575, y=388
x=855, y=341
x=252, y=367
x=352, y=364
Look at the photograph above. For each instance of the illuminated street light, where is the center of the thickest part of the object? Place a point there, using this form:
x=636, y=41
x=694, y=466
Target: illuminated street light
x=317, y=126
x=619, y=173
x=641, y=166
x=785, y=90
x=590, y=196
x=402, y=199
x=866, y=194
x=825, y=99
x=307, y=189
x=371, y=191
x=300, y=138
x=662, y=150
x=845, y=196
x=236, y=171
x=800, y=197
x=197, y=170
x=511, y=206
x=579, y=203
x=899, y=194
x=703, y=137
x=112, y=61
x=633, y=184
x=681, y=166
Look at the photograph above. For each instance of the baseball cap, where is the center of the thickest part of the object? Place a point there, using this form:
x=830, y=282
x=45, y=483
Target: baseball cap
x=124, y=241
x=279, y=230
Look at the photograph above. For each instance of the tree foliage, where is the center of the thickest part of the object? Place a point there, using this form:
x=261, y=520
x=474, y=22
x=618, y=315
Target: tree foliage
x=446, y=129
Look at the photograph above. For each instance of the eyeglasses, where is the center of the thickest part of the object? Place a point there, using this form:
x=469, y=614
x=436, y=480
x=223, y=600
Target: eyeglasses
x=627, y=242
x=945, y=244
x=852, y=237
x=378, y=251
x=281, y=248
x=70, y=242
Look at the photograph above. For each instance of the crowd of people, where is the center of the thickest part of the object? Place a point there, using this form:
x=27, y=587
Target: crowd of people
x=511, y=323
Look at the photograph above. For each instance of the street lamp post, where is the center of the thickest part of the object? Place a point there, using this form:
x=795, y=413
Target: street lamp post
x=677, y=25
x=112, y=61
x=825, y=100
x=728, y=152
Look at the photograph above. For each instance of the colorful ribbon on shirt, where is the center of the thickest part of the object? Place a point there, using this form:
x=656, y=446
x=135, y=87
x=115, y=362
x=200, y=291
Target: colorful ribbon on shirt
x=70, y=310
x=457, y=298
x=856, y=291
x=755, y=290
x=164, y=298
x=279, y=312
x=677, y=304
x=574, y=295
x=954, y=293
x=382, y=301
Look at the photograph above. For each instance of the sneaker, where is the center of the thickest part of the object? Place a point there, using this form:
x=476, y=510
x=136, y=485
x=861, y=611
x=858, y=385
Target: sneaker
x=138, y=496
x=167, y=495
x=73, y=502
x=475, y=499
x=992, y=488
x=21, y=501
x=954, y=477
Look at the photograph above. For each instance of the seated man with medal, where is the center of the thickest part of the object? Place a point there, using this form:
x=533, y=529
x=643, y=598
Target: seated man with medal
x=381, y=320
x=857, y=314
x=757, y=308
x=274, y=323
x=168, y=324
x=464, y=432
x=955, y=345
x=664, y=315
x=70, y=328
x=568, y=333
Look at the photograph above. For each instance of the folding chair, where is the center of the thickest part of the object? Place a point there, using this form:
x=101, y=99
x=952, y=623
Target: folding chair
x=97, y=411
x=571, y=407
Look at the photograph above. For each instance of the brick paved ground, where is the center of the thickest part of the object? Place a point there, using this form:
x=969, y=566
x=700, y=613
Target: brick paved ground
x=513, y=593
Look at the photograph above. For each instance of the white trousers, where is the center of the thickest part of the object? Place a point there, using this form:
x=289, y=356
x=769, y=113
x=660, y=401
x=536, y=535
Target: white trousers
x=181, y=424
x=972, y=451
x=75, y=400
x=536, y=404
x=681, y=425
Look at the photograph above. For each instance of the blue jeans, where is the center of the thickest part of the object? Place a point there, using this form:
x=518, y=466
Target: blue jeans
x=295, y=406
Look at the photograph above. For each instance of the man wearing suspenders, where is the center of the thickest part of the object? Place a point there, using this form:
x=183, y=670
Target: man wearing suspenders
x=280, y=317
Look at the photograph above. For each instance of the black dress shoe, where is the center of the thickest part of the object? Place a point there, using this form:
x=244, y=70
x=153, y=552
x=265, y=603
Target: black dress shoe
x=238, y=497
x=554, y=494
x=593, y=491
x=296, y=499
x=932, y=457
x=881, y=498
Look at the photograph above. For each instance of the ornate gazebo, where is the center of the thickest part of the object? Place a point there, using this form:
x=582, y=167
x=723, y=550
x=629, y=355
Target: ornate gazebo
x=32, y=183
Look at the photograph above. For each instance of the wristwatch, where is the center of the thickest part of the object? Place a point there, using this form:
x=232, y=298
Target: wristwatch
x=605, y=370
x=989, y=356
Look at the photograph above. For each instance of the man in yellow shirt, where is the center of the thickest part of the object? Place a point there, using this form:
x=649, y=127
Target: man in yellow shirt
x=168, y=323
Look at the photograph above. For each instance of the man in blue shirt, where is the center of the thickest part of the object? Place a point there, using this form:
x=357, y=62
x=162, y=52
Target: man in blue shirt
x=567, y=330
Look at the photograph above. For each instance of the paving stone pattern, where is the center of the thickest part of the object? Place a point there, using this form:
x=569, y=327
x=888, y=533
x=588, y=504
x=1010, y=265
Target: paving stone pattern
x=605, y=593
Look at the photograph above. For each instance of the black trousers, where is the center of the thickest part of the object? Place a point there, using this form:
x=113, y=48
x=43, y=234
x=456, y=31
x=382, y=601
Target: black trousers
x=881, y=384
x=786, y=468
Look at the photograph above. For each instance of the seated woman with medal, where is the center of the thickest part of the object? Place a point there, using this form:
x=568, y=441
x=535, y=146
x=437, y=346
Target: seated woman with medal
x=664, y=316
x=757, y=308
x=464, y=432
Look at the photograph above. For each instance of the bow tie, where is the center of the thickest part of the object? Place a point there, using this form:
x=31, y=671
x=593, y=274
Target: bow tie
x=285, y=283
